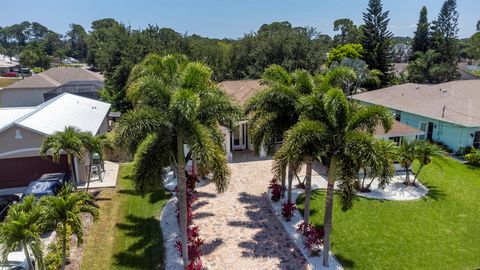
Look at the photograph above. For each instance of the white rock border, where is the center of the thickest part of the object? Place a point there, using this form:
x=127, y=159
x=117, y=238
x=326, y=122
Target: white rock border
x=297, y=238
x=396, y=190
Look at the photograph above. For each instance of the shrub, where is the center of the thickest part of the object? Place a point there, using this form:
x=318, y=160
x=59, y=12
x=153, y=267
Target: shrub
x=53, y=259
x=473, y=158
x=287, y=210
x=313, y=240
x=443, y=146
x=275, y=189
x=192, y=180
x=194, y=245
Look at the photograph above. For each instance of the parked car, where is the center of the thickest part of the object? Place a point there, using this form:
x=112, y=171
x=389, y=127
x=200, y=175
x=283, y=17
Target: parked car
x=47, y=185
x=9, y=74
x=5, y=202
x=25, y=71
x=16, y=261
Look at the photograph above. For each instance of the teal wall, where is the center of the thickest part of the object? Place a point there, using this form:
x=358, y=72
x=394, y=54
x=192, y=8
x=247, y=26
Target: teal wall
x=448, y=133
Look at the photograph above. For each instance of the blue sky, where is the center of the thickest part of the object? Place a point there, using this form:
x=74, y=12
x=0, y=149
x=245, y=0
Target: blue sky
x=227, y=18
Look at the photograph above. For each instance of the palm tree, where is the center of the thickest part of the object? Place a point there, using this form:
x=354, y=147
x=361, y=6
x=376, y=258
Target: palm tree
x=406, y=156
x=93, y=144
x=273, y=111
x=22, y=228
x=348, y=127
x=64, y=210
x=68, y=141
x=424, y=68
x=424, y=152
x=382, y=167
x=175, y=103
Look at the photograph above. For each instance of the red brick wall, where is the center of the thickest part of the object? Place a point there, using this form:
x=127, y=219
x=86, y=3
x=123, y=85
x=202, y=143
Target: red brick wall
x=19, y=172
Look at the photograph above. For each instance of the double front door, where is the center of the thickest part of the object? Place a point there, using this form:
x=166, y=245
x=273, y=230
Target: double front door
x=239, y=137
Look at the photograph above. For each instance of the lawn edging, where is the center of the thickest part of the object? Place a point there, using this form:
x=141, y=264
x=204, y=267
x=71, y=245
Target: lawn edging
x=171, y=232
x=297, y=238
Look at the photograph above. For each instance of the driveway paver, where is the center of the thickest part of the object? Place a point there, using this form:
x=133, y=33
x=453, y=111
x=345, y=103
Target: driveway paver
x=239, y=228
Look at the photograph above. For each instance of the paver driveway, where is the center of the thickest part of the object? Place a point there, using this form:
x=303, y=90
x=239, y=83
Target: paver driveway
x=239, y=227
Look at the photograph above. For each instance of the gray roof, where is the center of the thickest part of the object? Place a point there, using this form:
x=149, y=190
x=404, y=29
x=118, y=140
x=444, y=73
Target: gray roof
x=55, y=77
x=455, y=102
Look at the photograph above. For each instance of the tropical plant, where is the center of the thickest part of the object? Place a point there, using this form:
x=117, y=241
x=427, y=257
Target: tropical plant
x=175, y=104
x=275, y=189
x=383, y=168
x=64, y=211
x=473, y=157
x=346, y=128
x=273, y=111
x=288, y=209
x=69, y=142
x=22, y=229
x=425, y=69
x=93, y=145
x=424, y=152
x=406, y=156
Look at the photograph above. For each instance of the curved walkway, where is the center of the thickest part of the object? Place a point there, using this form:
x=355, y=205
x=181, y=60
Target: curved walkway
x=239, y=227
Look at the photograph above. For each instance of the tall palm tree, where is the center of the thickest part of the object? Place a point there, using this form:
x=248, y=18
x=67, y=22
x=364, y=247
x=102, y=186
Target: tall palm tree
x=69, y=142
x=93, y=145
x=175, y=103
x=64, y=210
x=273, y=111
x=348, y=127
x=22, y=228
x=424, y=152
x=406, y=156
x=382, y=167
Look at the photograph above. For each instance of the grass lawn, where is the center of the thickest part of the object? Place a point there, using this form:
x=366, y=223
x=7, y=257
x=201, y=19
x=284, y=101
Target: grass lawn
x=127, y=234
x=441, y=231
x=6, y=82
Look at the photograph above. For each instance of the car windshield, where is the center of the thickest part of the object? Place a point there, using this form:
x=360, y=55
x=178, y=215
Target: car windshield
x=39, y=187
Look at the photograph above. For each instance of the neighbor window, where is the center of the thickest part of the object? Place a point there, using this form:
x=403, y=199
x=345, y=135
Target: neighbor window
x=397, y=140
x=18, y=134
x=398, y=115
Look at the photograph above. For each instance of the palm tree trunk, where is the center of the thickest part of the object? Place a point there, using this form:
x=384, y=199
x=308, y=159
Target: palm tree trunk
x=70, y=166
x=327, y=222
x=290, y=180
x=284, y=180
x=182, y=199
x=64, y=245
x=89, y=172
x=407, y=176
x=418, y=172
x=364, y=176
x=27, y=255
x=369, y=184
x=308, y=189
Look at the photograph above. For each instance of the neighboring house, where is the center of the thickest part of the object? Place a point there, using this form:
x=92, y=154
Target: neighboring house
x=30, y=91
x=448, y=113
x=23, y=129
x=239, y=139
x=87, y=89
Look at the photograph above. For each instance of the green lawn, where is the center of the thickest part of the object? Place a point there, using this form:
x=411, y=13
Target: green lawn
x=128, y=234
x=6, y=82
x=441, y=231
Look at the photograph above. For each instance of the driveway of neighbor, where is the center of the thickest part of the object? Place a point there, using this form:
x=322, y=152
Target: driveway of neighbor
x=239, y=227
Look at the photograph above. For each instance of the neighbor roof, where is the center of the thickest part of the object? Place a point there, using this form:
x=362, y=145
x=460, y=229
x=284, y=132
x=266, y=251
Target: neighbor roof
x=398, y=129
x=55, y=77
x=54, y=115
x=455, y=102
x=242, y=90
x=10, y=115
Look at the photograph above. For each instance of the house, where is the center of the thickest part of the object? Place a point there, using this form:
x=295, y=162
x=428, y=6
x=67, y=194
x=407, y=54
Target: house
x=30, y=91
x=462, y=69
x=448, y=113
x=22, y=130
x=238, y=139
x=81, y=88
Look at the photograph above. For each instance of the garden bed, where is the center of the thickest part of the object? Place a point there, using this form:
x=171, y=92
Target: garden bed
x=396, y=190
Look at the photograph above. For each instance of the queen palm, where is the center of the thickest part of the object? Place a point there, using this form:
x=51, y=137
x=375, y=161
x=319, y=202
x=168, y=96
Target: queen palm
x=406, y=156
x=175, y=103
x=22, y=228
x=93, y=144
x=424, y=152
x=273, y=111
x=348, y=127
x=64, y=210
x=68, y=141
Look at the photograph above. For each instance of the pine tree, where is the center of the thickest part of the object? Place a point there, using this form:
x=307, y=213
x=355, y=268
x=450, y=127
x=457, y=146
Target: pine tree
x=444, y=39
x=376, y=41
x=421, y=40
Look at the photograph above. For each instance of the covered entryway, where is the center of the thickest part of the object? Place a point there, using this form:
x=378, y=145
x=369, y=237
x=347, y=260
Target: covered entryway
x=239, y=137
x=19, y=172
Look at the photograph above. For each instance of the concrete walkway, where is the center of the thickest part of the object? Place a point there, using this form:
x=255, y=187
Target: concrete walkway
x=241, y=231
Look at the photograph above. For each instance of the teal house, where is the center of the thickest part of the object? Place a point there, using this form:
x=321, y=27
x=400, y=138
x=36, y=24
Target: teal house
x=448, y=113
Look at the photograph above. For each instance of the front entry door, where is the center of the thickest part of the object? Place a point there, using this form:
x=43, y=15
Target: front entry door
x=430, y=131
x=476, y=139
x=239, y=137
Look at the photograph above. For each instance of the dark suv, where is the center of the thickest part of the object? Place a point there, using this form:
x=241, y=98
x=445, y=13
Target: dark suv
x=5, y=202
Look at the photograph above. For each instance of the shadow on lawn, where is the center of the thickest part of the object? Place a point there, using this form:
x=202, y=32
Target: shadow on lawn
x=434, y=193
x=147, y=251
x=271, y=240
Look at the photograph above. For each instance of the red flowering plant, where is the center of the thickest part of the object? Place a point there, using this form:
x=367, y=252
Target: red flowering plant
x=194, y=245
x=287, y=210
x=275, y=190
x=313, y=240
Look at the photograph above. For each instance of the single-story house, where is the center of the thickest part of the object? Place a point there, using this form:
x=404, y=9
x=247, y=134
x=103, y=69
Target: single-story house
x=448, y=113
x=23, y=129
x=238, y=139
x=30, y=91
x=81, y=88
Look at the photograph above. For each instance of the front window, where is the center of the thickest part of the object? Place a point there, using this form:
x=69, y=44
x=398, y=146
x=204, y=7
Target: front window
x=397, y=140
x=398, y=115
x=423, y=128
